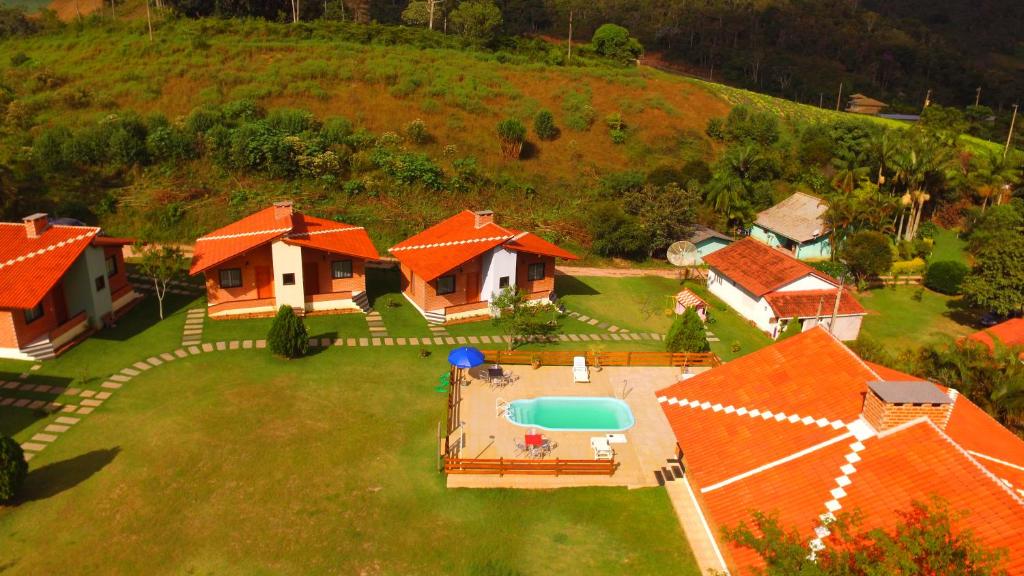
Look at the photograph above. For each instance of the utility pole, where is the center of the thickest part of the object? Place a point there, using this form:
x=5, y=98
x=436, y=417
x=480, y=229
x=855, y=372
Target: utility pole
x=149, y=21
x=1009, y=137
x=977, y=96
x=821, y=99
x=835, y=309
x=568, y=56
x=839, y=98
x=928, y=98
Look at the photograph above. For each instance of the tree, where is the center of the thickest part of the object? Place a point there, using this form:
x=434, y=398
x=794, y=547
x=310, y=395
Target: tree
x=544, y=125
x=417, y=13
x=665, y=213
x=614, y=42
x=687, y=334
x=511, y=134
x=996, y=175
x=616, y=233
x=867, y=253
x=517, y=317
x=13, y=468
x=946, y=276
x=997, y=281
x=288, y=336
x=478, y=20
x=918, y=164
x=162, y=264
x=923, y=542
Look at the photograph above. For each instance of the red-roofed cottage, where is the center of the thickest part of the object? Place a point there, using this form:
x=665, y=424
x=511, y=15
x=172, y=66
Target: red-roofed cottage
x=1010, y=334
x=806, y=429
x=452, y=270
x=281, y=257
x=771, y=288
x=58, y=282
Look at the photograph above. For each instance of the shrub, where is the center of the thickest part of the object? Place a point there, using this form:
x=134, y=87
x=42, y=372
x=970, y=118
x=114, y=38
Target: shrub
x=288, y=336
x=927, y=229
x=416, y=132
x=478, y=20
x=170, y=144
x=579, y=114
x=614, y=42
x=687, y=334
x=512, y=134
x=544, y=125
x=715, y=129
x=833, y=269
x=19, y=58
x=793, y=327
x=867, y=253
x=915, y=266
x=617, y=233
x=13, y=468
x=202, y=119
x=291, y=121
x=946, y=276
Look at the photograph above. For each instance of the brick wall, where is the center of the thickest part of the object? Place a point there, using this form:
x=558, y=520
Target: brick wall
x=546, y=284
x=883, y=415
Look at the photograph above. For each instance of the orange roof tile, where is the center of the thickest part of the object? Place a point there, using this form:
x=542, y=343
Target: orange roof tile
x=808, y=303
x=456, y=240
x=778, y=429
x=29, y=267
x=1009, y=333
x=262, y=227
x=760, y=268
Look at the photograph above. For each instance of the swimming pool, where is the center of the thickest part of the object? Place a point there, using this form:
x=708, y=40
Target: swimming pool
x=578, y=413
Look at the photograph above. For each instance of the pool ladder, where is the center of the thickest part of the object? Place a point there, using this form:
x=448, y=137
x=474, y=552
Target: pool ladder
x=501, y=407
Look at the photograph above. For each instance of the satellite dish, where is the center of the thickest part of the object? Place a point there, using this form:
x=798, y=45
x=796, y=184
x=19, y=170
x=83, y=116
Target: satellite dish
x=683, y=253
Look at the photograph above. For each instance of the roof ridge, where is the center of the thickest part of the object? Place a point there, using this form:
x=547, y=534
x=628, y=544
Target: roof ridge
x=852, y=353
x=328, y=231
x=244, y=234
x=50, y=248
x=967, y=454
x=398, y=248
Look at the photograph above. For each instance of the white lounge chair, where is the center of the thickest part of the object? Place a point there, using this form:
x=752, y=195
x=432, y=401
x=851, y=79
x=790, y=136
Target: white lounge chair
x=602, y=449
x=580, y=373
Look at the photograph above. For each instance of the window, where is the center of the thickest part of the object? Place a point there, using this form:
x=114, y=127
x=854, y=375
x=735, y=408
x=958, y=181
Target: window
x=111, y=265
x=288, y=279
x=446, y=284
x=101, y=283
x=341, y=269
x=231, y=278
x=33, y=314
x=503, y=282
x=535, y=271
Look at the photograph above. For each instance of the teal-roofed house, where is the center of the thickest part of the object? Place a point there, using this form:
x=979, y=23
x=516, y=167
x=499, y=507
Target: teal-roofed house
x=708, y=240
x=797, y=225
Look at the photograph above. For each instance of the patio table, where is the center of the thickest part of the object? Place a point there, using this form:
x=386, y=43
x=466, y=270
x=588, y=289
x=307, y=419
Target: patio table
x=534, y=440
x=495, y=373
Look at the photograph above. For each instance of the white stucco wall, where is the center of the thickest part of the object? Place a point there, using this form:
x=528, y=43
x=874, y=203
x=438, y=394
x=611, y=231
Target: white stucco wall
x=287, y=260
x=847, y=327
x=496, y=264
x=746, y=304
x=808, y=282
x=80, y=291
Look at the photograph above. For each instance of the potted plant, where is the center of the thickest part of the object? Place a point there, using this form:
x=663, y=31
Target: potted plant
x=535, y=361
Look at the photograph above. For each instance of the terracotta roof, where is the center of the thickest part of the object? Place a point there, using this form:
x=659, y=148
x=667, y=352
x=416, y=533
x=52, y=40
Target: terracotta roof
x=759, y=268
x=1009, y=333
x=456, y=240
x=798, y=217
x=780, y=430
x=29, y=267
x=262, y=227
x=862, y=100
x=808, y=303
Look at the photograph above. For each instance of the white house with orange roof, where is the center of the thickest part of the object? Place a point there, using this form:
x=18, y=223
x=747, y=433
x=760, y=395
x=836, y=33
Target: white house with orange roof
x=59, y=281
x=771, y=288
x=806, y=430
x=281, y=257
x=452, y=270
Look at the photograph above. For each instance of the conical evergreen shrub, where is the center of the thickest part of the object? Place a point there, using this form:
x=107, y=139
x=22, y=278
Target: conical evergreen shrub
x=687, y=334
x=13, y=468
x=288, y=336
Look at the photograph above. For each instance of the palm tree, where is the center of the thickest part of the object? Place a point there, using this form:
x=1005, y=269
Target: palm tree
x=850, y=174
x=916, y=164
x=881, y=150
x=994, y=176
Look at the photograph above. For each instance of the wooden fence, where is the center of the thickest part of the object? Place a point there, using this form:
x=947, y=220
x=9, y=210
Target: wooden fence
x=556, y=467
x=565, y=358
x=895, y=280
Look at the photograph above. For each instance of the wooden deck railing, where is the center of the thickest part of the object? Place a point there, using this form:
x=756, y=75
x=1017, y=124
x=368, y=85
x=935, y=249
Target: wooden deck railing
x=556, y=467
x=565, y=358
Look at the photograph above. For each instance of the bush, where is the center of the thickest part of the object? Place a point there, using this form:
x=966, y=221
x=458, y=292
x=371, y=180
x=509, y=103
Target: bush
x=13, y=468
x=833, y=269
x=946, y=276
x=288, y=336
x=544, y=125
x=617, y=233
x=915, y=266
x=416, y=132
x=614, y=42
x=292, y=122
x=793, y=327
x=512, y=134
x=170, y=144
x=478, y=20
x=927, y=229
x=867, y=253
x=687, y=334
x=715, y=129
x=579, y=114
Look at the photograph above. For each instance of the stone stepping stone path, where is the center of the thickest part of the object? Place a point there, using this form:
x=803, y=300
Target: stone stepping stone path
x=711, y=336
x=437, y=330
x=376, y=324
x=595, y=322
x=193, y=333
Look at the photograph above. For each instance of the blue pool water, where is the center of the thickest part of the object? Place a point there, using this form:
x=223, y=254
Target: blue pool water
x=579, y=413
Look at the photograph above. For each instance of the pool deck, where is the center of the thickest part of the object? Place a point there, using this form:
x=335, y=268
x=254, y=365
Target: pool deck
x=649, y=444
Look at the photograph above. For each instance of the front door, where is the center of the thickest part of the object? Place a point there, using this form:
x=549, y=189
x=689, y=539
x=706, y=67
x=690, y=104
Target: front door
x=310, y=278
x=472, y=287
x=264, y=282
x=60, y=305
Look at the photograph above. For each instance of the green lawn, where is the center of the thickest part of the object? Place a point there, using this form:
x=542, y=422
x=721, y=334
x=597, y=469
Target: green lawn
x=640, y=303
x=384, y=290
x=949, y=246
x=240, y=463
x=898, y=319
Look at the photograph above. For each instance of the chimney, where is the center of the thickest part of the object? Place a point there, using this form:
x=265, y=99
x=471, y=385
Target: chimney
x=890, y=404
x=36, y=224
x=483, y=218
x=283, y=210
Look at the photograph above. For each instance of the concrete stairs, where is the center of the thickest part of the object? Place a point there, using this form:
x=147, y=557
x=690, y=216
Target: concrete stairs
x=363, y=301
x=40, y=349
x=434, y=317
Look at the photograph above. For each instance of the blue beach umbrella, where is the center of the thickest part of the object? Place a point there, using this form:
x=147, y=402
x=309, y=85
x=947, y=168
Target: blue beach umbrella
x=465, y=357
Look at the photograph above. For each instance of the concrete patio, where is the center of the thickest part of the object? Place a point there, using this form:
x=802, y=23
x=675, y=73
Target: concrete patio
x=649, y=444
